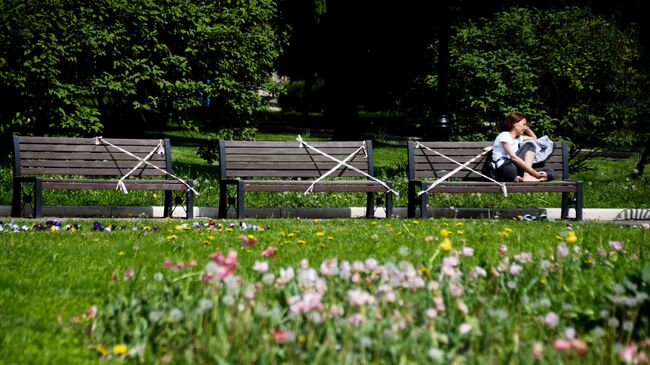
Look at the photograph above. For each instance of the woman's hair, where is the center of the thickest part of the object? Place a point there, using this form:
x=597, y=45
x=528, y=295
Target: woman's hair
x=512, y=119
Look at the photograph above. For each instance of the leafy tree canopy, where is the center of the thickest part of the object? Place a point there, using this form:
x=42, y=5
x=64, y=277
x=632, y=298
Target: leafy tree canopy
x=574, y=74
x=82, y=68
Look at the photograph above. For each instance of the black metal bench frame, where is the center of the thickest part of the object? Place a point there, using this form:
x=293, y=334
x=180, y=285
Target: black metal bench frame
x=60, y=163
x=248, y=165
x=423, y=163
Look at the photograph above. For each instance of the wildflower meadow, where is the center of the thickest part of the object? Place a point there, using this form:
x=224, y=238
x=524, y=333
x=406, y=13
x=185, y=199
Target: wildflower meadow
x=324, y=291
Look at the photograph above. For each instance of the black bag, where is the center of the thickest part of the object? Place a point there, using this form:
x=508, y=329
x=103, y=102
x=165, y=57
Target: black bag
x=489, y=167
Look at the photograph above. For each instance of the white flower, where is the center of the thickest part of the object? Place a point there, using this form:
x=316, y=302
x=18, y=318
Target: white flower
x=464, y=328
x=205, y=305
x=261, y=267
x=176, y=314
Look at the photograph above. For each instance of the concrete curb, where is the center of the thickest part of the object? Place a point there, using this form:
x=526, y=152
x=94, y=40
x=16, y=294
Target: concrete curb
x=591, y=214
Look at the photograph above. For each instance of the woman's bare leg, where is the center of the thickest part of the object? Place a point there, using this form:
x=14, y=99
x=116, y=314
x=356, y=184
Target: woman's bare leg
x=528, y=159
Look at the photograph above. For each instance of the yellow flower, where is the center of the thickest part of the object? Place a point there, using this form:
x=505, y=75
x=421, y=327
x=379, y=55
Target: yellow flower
x=119, y=349
x=261, y=229
x=445, y=232
x=330, y=238
x=301, y=242
x=571, y=238
x=211, y=238
x=415, y=222
x=508, y=229
x=460, y=232
x=291, y=234
x=458, y=224
x=121, y=253
x=445, y=244
x=424, y=271
x=172, y=237
x=320, y=234
x=155, y=195
x=102, y=350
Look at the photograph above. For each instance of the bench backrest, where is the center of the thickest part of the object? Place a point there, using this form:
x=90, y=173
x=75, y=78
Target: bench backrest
x=83, y=157
x=424, y=163
x=248, y=159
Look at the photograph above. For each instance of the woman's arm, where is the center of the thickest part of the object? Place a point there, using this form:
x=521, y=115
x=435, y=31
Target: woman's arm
x=519, y=162
x=529, y=134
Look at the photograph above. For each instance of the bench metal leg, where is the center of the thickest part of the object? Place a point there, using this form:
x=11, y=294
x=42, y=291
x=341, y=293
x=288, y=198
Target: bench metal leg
x=566, y=202
x=410, y=213
x=579, y=201
x=223, y=200
x=370, y=205
x=424, y=201
x=168, y=204
x=190, y=200
x=38, y=198
x=241, y=190
x=16, y=201
x=389, y=201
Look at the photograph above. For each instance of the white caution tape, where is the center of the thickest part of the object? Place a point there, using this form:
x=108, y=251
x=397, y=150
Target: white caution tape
x=460, y=167
x=344, y=162
x=159, y=149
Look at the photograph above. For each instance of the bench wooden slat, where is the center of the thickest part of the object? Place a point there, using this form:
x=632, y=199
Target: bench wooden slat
x=87, y=172
x=557, y=158
x=61, y=184
x=296, y=144
x=90, y=164
x=26, y=140
x=485, y=187
x=321, y=166
x=341, y=152
x=291, y=158
x=86, y=156
x=290, y=173
x=60, y=148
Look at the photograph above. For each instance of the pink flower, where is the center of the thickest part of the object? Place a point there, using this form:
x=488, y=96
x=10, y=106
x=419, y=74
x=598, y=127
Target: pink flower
x=261, y=267
x=191, y=263
x=305, y=303
x=358, y=298
x=468, y=251
x=91, y=312
x=646, y=225
x=502, y=250
x=281, y=336
x=616, y=245
x=562, y=344
x=268, y=252
x=128, y=274
x=247, y=241
x=515, y=269
x=551, y=319
x=538, y=351
x=169, y=264
x=456, y=289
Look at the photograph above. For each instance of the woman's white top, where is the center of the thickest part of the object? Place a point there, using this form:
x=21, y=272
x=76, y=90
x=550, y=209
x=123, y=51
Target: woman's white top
x=499, y=154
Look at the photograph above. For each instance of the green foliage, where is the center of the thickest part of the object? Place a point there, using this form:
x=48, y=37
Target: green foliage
x=75, y=69
x=574, y=74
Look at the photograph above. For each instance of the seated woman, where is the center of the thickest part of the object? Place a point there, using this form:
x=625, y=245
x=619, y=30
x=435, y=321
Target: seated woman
x=511, y=162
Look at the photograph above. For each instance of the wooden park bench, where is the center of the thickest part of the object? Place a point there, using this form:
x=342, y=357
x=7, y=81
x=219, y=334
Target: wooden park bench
x=295, y=167
x=424, y=163
x=56, y=163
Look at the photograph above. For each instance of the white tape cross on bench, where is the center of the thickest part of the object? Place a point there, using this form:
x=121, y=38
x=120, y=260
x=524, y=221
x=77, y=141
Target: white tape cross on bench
x=158, y=149
x=465, y=165
x=343, y=162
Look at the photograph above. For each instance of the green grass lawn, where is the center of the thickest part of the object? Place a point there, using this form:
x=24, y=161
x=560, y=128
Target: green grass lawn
x=47, y=278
